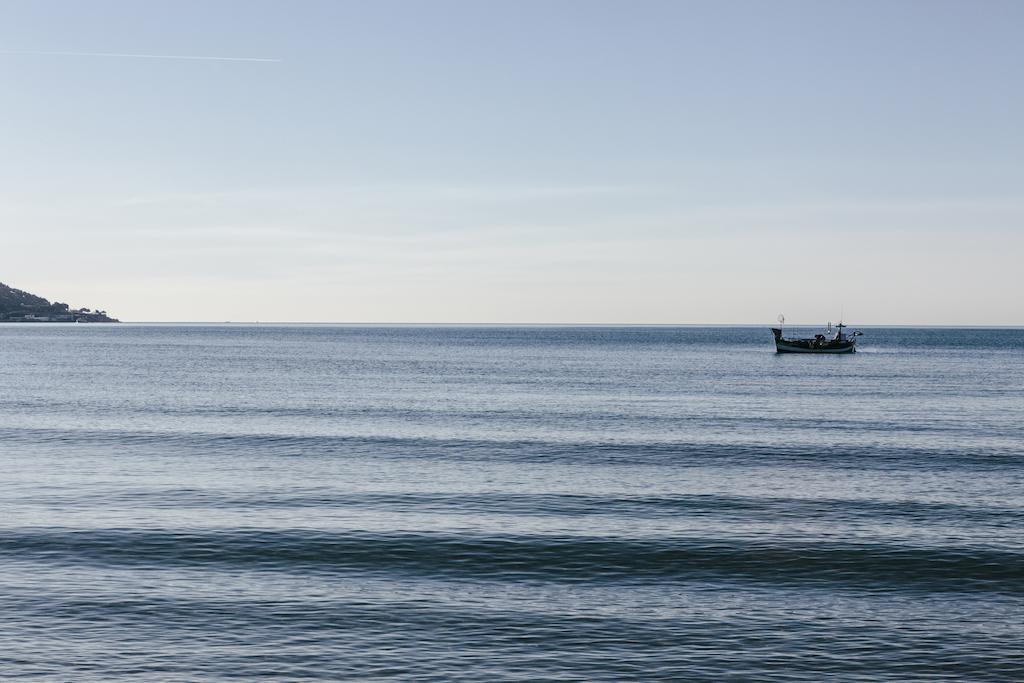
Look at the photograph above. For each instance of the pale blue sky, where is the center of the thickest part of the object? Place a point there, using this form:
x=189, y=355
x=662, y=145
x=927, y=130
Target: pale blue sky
x=516, y=161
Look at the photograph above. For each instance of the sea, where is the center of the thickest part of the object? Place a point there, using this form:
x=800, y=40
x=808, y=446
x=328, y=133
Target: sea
x=491, y=503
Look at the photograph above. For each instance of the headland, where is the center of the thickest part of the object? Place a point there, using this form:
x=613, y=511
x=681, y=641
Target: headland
x=19, y=306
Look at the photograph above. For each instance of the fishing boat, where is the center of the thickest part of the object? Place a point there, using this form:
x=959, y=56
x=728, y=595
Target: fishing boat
x=839, y=342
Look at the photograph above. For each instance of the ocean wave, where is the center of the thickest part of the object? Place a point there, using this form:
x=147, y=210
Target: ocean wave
x=592, y=452
x=639, y=507
x=540, y=558
x=274, y=638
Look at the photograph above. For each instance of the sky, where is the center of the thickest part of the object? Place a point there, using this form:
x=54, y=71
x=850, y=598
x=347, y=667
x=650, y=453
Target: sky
x=554, y=161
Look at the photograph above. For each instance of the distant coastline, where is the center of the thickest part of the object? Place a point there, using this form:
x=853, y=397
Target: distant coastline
x=19, y=306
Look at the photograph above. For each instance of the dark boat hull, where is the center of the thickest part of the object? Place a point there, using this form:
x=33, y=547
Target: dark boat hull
x=843, y=347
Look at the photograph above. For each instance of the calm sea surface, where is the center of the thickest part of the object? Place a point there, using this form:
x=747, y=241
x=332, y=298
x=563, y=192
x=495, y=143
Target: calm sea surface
x=223, y=503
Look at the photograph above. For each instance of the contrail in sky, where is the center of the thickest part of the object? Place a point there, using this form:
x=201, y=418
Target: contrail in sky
x=137, y=56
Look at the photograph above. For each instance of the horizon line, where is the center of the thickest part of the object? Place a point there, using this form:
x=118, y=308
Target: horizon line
x=393, y=323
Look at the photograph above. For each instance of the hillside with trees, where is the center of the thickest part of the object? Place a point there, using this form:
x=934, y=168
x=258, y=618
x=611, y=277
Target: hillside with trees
x=17, y=305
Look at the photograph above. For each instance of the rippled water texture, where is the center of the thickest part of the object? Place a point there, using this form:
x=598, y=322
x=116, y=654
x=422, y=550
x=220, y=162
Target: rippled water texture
x=221, y=503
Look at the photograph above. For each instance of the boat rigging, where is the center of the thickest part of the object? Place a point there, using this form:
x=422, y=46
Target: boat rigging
x=840, y=342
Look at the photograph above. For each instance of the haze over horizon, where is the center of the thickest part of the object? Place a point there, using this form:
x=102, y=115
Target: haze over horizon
x=533, y=162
